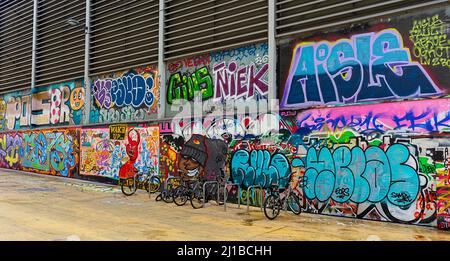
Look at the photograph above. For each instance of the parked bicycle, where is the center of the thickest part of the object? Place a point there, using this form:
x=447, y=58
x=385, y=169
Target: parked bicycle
x=209, y=190
x=280, y=198
x=189, y=190
x=150, y=182
x=167, y=191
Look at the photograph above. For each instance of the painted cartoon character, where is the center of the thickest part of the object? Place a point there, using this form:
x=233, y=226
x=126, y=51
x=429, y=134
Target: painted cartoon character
x=202, y=158
x=192, y=158
x=77, y=99
x=128, y=169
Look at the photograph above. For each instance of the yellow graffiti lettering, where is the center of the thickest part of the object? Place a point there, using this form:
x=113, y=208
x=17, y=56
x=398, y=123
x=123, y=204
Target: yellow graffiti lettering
x=431, y=45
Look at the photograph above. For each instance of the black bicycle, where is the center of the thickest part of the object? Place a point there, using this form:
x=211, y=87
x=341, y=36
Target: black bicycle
x=150, y=182
x=184, y=192
x=168, y=190
x=209, y=190
x=280, y=198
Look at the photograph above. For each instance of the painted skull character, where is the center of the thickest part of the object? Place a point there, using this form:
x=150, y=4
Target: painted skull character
x=192, y=158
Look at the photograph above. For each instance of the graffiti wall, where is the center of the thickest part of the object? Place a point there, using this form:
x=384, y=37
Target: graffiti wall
x=52, y=151
x=364, y=161
x=170, y=146
x=103, y=156
x=400, y=58
x=397, y=171
x=15, y=110
x=236, y=133
x=53, y=105
x=125, y=96
x=219, y=77
x=58, y=104
x=385, y=155
x=363, y=130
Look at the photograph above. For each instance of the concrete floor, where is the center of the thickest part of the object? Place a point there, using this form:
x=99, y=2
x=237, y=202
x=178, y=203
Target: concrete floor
x=40, y=207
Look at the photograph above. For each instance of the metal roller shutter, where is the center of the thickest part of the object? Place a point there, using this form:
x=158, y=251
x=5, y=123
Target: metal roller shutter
x=193, y=27
x=60, y=46
x=16, y=41
x=304, y=16
x=124, y=34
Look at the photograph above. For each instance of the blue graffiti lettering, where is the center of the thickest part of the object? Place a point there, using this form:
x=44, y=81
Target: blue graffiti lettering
x=134, y=90
x=359, y=176
x=367, y=67
x=259, y=168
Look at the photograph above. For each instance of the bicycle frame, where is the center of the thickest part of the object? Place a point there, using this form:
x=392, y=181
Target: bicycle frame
x=283, y=196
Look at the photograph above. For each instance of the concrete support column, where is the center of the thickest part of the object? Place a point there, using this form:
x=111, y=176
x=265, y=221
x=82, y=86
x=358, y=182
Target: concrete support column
x=33, y=48
x=272, y=53
x=87, y=46
x=161, y=63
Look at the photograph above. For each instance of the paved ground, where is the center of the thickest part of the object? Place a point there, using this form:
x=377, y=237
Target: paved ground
x=39, y=207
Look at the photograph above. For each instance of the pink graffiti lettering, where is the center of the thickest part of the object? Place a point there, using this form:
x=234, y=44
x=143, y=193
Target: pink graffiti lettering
x=234, y=82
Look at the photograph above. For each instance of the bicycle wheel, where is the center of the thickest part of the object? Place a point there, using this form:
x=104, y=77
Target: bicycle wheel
x=166, y=193
x=155, y=184
x=197, y=198
x=159, y=197
x=166, y=196
x=272, y=207
x=128, y=186
x=294, y=204
x=180, y=196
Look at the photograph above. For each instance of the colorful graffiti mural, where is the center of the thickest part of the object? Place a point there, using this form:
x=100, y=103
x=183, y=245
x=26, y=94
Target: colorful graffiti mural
x=346, y=72
x=259, y=167
x=53, y=151
x=104, y=157
x=202, y=158
x=58, y=104
x=364, y=127
x=331, y=142
x=422, y=116
x=431, y=43
x=440, y=165
x=15, y=110
x=170, y=146
x=228, y=75
x=53, y=105
x=383, y=61
x=364, y=161
x=125, y=96
x=377, y=159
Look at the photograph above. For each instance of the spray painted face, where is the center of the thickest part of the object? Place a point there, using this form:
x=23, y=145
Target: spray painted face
x=77, y=98
x=189, y=168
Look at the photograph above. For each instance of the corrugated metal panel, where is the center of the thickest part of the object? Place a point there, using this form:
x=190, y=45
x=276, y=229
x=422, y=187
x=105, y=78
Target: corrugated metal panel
x=60, y=46
x=304, y=16
x=198, y=26
x=124, y=34
x=16, y=40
